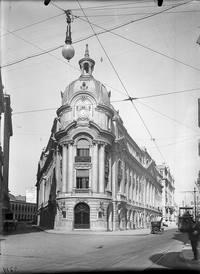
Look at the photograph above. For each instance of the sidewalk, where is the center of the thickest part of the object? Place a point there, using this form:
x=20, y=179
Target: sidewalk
x=128, y=232
x=141, y=231
x=187, y=256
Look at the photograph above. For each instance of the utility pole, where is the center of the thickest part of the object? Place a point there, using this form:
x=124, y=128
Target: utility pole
x=195, y=206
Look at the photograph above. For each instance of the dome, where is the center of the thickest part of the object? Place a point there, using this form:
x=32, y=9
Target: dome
x=86, y=84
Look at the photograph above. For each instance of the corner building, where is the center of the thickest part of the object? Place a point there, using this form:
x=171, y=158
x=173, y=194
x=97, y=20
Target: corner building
x=92, y=175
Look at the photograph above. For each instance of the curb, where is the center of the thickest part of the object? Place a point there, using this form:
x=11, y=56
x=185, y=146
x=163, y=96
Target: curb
x=132, y=232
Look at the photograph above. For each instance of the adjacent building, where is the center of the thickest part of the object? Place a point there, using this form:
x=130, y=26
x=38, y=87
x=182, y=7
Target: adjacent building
x=5, y=134
x=92, y=174
x=22, y=210
x=168, y=203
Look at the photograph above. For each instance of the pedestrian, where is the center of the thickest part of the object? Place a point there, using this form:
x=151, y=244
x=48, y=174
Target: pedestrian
x=194, y=236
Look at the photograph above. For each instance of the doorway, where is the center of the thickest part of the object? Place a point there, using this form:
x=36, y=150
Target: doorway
x=82, y=216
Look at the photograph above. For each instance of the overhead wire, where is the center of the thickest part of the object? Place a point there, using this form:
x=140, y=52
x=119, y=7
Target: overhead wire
x=128, y=99
x=168, y=117
x=142, y=45
x=34, y=110
x=112, y=5
x=118, y=6
x=110, y=31
x=36, y=46
x=138, y=13
x=157, y=95
x=176, y=143
x=33, y=24
x=153, y=139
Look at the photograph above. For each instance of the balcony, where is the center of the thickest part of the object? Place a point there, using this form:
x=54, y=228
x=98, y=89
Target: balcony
x=82, y=190
x=86, y=159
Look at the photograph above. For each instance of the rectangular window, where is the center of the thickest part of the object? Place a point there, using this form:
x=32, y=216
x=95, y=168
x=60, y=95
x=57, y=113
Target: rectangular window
x=82, y=178
x=64, y=215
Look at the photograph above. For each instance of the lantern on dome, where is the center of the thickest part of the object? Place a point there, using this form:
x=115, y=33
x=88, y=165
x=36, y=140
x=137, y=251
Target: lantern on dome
x=68, y=50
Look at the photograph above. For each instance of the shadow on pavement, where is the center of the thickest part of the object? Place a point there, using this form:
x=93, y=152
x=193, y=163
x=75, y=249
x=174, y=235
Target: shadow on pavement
x=171, y=260
x=22, y=228
x=182, y=237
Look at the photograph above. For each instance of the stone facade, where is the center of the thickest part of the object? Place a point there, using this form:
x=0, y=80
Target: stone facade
x=92, y=174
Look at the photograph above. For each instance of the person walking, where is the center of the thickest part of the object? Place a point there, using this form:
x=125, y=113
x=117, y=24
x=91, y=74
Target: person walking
x=194, y=237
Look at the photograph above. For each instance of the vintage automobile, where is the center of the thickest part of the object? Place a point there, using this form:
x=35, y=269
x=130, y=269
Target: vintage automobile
x=157, y=226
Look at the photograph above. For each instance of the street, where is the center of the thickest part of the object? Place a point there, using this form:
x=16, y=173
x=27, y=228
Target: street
x=38, y=251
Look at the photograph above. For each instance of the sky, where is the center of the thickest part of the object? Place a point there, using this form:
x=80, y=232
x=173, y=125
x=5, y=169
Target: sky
x=152, y=52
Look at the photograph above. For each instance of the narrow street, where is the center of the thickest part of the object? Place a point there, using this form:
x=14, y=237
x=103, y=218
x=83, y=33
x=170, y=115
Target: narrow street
x=39, y=251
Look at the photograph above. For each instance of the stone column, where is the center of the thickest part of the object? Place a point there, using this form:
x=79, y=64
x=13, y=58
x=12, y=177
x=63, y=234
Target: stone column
x=110, y=175
x=145, y=192
x=114, y=179
x=139, y=189
x=128, y=183
x=115, y=217
x=58, y=178
x=102, y=168
x=64, y=168
x=131, y=189
x=153, y=195
x=136, y=188
x=150, y=192
x=43, y=189
x=123, y=178
x=134, y=191
x=95, y=168
x=70, y=167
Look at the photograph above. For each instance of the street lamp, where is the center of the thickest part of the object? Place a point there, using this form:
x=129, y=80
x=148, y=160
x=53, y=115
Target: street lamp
x=159, y=2
x=46, y=2
x=68, y=49
x=195, y=206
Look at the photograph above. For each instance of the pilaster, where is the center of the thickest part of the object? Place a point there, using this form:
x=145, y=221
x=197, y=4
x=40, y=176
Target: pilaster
x=102, y=168
x=64, y=168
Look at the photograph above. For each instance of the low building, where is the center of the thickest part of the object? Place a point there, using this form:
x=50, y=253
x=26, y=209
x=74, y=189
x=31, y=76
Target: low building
x=92, y=174
x=22, y=210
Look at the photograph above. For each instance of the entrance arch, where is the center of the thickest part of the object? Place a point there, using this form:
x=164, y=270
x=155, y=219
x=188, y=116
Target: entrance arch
x=82, y=216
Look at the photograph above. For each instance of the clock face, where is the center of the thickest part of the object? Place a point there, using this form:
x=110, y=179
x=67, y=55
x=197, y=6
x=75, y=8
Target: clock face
x=83, y=112
x=83, y=108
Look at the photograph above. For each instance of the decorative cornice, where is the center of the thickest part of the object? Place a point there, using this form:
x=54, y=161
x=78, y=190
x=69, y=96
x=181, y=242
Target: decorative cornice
x=61, y=133
x=63, y=108
x=102, y=131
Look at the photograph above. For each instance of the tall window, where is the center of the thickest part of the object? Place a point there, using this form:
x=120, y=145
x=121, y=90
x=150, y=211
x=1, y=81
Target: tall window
x=82, y=178
x=83, y=148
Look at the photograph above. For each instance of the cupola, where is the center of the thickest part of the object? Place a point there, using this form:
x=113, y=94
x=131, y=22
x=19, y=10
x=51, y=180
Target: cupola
x=86, y=64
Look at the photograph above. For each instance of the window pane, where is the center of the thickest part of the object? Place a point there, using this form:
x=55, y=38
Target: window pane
x=83, y=143
x=82, y=173
x=83, y=152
